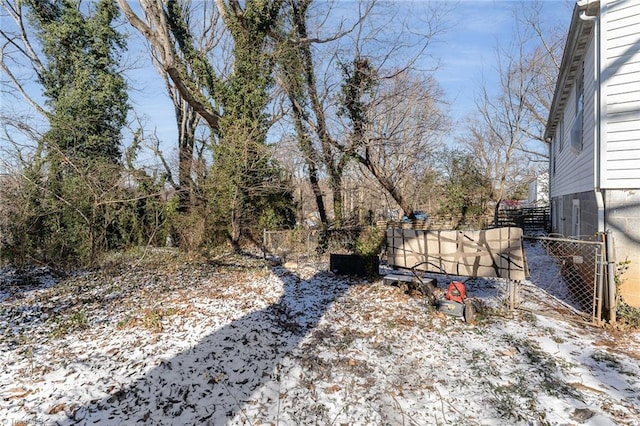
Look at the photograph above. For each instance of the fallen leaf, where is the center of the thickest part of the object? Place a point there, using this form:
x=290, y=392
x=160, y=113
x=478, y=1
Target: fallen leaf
x=332, y=389
x=56, y=409
x=580, y=386
x=18, y=393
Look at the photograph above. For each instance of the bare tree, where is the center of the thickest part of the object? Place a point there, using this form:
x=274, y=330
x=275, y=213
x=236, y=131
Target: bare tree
x=405, y=125
x=503, y=167
x=298, y=85
x=21, y=63
x=505, y=118
x=367, y=55
x=203, y=20
x=308, y=97
x=546, y=41
x=156, y=28
x=510, y=123
x=231, y=99
x=19, y=52
x=367, y=97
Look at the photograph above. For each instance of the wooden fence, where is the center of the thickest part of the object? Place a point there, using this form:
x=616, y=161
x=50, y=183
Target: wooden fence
x=526, y=218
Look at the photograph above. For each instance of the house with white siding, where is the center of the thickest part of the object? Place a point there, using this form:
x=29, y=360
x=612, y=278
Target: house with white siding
x=538, y=190
x=594, y=132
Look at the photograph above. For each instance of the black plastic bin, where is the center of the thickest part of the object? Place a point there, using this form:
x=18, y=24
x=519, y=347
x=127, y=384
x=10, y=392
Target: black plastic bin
x=354, y=264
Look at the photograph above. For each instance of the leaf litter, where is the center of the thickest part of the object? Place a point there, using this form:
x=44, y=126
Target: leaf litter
x=240, y=341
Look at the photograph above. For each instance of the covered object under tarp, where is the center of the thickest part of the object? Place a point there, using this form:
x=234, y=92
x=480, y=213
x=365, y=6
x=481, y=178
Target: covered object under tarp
x=488, y=253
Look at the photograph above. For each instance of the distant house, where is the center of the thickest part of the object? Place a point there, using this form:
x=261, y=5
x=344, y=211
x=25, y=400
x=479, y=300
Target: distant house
x=594, y=130
x=538, y=190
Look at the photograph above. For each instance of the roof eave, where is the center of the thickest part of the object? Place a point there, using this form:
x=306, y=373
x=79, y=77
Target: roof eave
x=572, y=55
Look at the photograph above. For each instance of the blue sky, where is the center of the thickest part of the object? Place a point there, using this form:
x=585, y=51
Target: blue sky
x=466, y=54
x=469, y=50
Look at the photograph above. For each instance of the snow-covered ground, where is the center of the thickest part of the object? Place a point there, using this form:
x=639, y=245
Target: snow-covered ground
x=164, y=339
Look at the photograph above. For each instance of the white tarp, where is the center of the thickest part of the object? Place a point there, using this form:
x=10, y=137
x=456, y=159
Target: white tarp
x=489, y=253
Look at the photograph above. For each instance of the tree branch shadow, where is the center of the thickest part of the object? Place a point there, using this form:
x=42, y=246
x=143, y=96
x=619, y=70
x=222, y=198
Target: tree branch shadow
x=211, y=382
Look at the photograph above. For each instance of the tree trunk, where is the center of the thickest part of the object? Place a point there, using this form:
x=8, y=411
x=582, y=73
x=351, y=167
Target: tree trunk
x=334, y=168
x=186, y=120
x=309, y=155
x=236, y=226
x=335, y=182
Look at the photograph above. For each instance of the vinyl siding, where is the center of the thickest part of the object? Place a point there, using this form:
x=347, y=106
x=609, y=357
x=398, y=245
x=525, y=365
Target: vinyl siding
x=621, y=79
x=574, y=168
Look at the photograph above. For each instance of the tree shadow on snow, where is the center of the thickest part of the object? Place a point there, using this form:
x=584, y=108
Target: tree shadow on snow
x=209, y=383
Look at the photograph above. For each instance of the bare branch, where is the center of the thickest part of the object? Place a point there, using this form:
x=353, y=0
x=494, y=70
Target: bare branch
x=156, y=31
x=23, y=49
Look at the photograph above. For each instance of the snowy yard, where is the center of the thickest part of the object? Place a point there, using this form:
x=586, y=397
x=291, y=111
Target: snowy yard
x=163, y=339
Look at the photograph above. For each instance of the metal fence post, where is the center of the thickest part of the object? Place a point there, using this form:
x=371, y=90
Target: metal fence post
x=599, y=284
x=512, y=294
x=611, y=277
x=264, y=243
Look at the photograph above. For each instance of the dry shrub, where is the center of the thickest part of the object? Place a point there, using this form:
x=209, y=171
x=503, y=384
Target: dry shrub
x=190, y=230
x=16, y=218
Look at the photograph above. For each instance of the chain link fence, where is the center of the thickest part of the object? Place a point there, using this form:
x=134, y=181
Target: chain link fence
x=570, y=270
x=291, y=244
x=301, y=245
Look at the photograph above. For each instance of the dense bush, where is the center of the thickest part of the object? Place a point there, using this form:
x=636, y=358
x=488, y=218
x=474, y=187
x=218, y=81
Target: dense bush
x=74, y=218
x=627, y=316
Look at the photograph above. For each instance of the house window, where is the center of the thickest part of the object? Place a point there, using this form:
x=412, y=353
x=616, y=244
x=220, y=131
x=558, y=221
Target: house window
x=576, y=129
x=576, y=134
x=560, y=133
x=580, y=92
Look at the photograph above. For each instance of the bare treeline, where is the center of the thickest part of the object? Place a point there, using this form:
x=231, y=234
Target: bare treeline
x=288, y=113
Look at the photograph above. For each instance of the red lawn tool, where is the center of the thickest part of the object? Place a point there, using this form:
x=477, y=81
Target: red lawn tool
x=456, y=302
x=453, y=302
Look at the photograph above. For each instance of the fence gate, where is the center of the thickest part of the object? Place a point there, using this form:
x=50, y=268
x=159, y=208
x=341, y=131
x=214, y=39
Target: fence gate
x=571, y=270
x=309, y=244
x=290, y=244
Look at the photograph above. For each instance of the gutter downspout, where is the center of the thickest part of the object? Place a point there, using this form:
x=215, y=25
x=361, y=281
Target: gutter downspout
x=597, y=136
x=611, y=288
